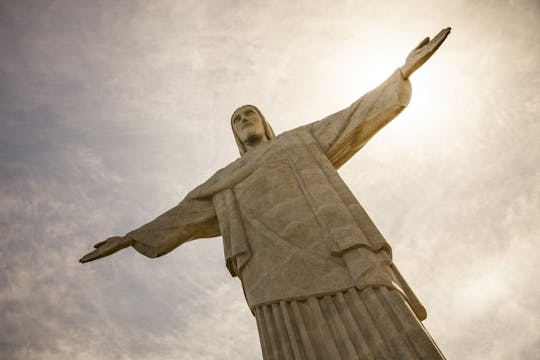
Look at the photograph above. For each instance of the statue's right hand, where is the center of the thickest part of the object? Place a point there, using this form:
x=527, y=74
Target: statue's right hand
x=423, y=52
x=107, y=247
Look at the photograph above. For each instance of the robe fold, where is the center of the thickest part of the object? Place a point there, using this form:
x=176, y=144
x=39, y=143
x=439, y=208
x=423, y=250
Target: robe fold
x=294, y=233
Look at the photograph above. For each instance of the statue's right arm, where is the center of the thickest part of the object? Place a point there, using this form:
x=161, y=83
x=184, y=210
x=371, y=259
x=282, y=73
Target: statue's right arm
x=342, y=134
x=189, y=220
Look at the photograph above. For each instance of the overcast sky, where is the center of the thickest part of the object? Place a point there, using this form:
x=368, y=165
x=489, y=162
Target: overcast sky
x=111, y=111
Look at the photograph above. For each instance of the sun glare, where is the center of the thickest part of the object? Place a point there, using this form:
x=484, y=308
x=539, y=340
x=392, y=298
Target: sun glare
x=481, y=291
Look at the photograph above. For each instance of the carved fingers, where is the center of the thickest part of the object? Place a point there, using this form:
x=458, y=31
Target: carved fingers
x=423, y=51
x=422, y=43
x=437, y=41
x=107, y=247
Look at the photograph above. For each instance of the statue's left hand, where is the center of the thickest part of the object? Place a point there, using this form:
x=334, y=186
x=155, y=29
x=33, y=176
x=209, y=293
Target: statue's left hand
x=107, y=247
x=423, y=52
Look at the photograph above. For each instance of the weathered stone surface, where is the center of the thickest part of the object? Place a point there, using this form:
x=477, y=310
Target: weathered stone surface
x=317, y=273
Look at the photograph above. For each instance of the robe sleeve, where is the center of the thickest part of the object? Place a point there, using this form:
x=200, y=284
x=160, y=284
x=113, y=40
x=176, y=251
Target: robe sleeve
x=342, y=134
x=189, y=220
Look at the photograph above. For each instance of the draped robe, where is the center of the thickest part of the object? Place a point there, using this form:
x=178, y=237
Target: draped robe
x=293, y=232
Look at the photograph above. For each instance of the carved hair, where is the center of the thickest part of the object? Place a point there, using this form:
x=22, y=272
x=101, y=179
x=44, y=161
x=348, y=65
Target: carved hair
x=269, y=133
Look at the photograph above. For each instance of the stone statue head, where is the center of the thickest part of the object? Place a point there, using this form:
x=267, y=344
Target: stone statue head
x=248, y=123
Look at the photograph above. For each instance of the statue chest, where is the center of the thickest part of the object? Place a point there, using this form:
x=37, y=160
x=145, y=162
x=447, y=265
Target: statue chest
x=287, y=184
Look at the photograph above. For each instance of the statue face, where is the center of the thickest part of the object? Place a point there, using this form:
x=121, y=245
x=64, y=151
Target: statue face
x=248, y=124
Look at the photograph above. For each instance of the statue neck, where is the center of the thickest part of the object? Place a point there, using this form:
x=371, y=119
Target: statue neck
x=254, y=141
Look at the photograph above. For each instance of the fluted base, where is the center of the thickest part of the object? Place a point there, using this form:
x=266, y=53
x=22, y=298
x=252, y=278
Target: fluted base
x=373, y=323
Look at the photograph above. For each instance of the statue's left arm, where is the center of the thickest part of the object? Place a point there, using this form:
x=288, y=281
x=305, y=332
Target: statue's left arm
x=342, y=134
x=190, y=219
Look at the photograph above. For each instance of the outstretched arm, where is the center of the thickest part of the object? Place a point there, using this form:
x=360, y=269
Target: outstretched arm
x=191, y=219
x=342, y=134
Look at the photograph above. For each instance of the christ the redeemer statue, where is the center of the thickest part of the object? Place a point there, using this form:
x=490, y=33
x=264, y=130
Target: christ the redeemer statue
x=317, y=274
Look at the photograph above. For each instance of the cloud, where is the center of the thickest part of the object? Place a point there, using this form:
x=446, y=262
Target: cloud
x=111, y=113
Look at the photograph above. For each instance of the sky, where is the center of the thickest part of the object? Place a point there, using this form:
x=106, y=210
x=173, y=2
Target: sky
x=112, y=111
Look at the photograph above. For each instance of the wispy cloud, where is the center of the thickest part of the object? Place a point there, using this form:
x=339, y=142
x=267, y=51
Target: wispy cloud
x=111, y=112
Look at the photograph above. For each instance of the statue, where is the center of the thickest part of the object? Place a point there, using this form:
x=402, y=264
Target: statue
x=317, y=274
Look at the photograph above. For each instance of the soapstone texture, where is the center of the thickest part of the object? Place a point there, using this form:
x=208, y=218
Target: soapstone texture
x=317, y=274
x=299, y=240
